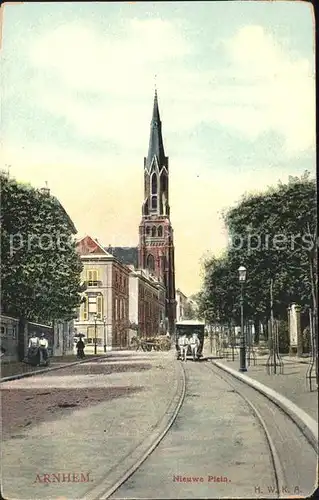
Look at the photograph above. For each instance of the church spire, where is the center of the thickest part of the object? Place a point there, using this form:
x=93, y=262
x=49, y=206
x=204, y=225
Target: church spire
x=156, y=147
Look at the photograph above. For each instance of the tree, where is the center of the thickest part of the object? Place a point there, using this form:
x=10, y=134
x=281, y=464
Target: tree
x=274, y=235
x=40, y=267
x=189, y=311
x=277, y=234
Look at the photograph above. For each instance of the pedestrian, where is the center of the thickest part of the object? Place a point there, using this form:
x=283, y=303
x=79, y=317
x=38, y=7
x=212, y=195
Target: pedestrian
x=33, y=350
x=183, y=346
x=43, y=348
x=80, y=349
x=194, y=343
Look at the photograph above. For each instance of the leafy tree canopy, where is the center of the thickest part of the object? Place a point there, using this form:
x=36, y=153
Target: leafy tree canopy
x=40, y=267
x=274, y=235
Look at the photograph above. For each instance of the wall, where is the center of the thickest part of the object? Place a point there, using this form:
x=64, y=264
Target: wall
x=9, y=337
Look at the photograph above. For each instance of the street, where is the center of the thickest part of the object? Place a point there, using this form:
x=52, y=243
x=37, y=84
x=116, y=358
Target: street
x=80, y=429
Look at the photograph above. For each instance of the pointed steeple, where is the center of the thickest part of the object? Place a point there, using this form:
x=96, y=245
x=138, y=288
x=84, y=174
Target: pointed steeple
x=156, y=147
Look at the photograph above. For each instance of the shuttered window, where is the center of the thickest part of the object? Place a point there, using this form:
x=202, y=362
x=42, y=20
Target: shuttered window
x=85, y=308
x=99, y=306
x=92, y=277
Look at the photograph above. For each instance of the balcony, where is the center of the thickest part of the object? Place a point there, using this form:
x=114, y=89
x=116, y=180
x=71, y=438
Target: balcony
x=93, y=284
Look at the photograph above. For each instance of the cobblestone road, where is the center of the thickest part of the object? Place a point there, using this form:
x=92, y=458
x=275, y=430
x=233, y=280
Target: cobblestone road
x=83, y=419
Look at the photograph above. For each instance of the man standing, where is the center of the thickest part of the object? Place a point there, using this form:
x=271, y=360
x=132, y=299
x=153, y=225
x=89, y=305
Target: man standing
x=194, y=343
x=43, y=345
x=183, y=346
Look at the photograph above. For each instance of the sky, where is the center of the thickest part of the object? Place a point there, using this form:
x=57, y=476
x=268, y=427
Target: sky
x=236, y=91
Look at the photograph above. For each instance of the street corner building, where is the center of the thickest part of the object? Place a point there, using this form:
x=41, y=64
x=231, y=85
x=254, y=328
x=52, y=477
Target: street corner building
x=103, y=317
x=156, y=242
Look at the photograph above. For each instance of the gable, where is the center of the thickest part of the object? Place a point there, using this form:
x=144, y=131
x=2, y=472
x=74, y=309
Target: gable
x=88, y=246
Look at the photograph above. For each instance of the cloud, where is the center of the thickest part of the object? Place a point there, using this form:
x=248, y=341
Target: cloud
x=264, y=88
x=100, y=84
x=88, y=60
x=279, y=91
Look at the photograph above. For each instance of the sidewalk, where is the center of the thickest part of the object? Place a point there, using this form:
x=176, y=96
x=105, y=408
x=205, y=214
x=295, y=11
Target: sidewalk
x=15, y=368
x=291, y=384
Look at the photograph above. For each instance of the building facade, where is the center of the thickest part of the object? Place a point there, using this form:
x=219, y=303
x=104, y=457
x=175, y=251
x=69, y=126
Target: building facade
x=146, y=303
x=103, y=317
x=156, y=242
x=181, y=305
x=59, y=336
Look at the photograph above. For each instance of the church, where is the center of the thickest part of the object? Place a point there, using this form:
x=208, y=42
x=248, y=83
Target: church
x=155, y=251
x=156, y=241
x=133, y=285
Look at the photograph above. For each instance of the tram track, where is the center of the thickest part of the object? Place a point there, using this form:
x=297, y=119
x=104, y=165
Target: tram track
x=277, y=467
x=284, y=474
x=132, y=462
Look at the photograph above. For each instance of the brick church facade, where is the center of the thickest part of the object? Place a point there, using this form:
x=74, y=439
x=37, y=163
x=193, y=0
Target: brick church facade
x=156, y=244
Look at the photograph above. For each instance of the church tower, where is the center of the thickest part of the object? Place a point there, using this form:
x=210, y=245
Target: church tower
x=156, y=245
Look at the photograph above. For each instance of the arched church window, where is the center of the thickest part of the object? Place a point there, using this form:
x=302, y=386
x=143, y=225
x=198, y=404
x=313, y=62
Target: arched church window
x=148, y=230
x=164, y=182
x=154, y=203
x=154, y=183
x=160, y=231
x=153, y=231
x=150, y=262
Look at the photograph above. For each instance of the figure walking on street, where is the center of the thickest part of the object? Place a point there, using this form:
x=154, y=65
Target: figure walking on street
x=183, y=346
x=43, y=346
x=33, y=350
x=194, y=343
x=80, y=349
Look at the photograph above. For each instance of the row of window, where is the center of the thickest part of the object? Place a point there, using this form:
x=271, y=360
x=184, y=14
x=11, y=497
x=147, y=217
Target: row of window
x=154, y=231
x=93, y=308
x=154, y=183
x=120, y=280
x=120, y=308
x=93, y=278
x=93, y=305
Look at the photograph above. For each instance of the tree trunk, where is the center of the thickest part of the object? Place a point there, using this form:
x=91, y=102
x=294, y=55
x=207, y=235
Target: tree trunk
x=266, y=329
x=21, y=338
x=257, y=330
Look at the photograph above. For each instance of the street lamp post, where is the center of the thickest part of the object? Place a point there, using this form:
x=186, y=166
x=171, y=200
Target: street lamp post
x=242, y=278
x=95, y=334
x=104, y=324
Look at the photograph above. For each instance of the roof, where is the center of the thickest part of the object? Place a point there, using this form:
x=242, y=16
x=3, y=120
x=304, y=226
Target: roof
x=179, y=292
x=126, y=255
x=190, y=322
x=89, y=245
x=156, y=147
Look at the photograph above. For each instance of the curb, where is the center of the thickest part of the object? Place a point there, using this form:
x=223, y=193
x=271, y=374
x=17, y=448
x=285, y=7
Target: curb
x=307, y=425
x=45, y=370
x=138, y=455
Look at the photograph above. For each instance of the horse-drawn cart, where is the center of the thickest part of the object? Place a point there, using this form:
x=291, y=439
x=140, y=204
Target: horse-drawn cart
x=159, y=343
